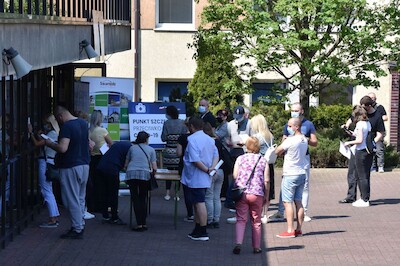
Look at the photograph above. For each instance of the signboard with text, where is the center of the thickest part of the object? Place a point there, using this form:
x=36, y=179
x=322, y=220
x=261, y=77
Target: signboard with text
x=150, y=117
x=111, y=96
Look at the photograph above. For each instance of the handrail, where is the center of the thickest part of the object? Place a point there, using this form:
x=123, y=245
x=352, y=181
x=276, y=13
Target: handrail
x=113, y=10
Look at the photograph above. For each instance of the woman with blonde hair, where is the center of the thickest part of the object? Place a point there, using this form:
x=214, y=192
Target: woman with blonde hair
x=251, y=171
x=259, y=129
x=46, y=156
x=99, y=136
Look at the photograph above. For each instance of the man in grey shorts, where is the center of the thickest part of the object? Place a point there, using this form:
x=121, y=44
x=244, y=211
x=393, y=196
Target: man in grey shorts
x=72, y=159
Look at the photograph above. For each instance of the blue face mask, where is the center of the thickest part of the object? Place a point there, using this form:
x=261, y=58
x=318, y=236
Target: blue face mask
x=202, y=109
x=290, y=131
x=294, y=114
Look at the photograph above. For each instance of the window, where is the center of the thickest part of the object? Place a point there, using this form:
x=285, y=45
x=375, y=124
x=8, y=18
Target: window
x=171, y=91
x=264, y=91
x=175, y=14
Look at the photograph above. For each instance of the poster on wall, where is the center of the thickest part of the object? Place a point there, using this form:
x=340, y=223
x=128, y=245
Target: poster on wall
x=150, y=117
x=112, y=96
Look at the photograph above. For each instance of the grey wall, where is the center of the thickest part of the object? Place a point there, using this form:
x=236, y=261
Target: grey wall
x=49, y=44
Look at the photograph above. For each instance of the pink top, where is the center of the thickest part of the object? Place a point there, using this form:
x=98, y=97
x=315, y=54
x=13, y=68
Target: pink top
x=246, y=164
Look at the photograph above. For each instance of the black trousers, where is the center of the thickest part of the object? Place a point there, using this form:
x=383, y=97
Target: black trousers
x=93, y=195
x=351, y=179
x=363, y=172
x=108, y=186
x=188, y=202
x=139, y=191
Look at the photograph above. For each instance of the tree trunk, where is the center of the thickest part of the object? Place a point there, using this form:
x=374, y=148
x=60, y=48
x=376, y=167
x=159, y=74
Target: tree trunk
x=305, y=95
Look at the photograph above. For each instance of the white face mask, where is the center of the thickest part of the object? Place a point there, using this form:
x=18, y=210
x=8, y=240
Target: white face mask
x=290, y=131
x=294, y=114
x=240, y=119
x=202, y=109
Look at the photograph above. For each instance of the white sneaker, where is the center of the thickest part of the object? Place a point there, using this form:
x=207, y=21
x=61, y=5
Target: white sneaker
x=307, y=218
x=381, y=170
x=264, y=219
x=360, y=203
x=231, y=220
x=88, y=215
x=276, y=217
x=167, y=197
x=232, y=210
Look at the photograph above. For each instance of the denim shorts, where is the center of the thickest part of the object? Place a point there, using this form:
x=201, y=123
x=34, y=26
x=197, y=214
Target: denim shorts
x=292, y=187
x=197, y=195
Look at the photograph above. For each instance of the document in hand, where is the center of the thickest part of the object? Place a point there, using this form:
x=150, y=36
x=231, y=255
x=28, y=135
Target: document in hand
x=345, y=151
x=104, y=148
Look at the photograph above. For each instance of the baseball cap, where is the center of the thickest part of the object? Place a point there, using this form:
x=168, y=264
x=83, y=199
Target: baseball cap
x=238, y=112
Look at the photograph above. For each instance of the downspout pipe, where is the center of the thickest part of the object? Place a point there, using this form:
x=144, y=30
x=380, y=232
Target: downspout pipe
x=137, y=51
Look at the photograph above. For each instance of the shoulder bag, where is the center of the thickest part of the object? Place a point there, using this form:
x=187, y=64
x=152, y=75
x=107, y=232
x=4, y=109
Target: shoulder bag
x=270, y=154
x=153, y=182
x=236, y=191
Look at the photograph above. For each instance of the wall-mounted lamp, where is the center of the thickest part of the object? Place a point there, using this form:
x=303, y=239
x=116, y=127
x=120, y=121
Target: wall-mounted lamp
x=21, y=67
x=90, y=52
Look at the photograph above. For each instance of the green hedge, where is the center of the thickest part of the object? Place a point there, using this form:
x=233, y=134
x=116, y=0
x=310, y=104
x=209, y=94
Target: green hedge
x=327, y=120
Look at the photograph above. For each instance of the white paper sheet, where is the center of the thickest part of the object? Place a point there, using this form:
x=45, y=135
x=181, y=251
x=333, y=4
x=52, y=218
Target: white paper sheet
x=104, y=148
x=345, y=151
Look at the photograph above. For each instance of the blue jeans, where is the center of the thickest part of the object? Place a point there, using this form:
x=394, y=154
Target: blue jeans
x=213, y=201
x=292, y=187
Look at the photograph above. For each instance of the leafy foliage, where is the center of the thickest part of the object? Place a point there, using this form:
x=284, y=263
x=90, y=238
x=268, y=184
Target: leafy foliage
x=216, y=77
x=309, y=43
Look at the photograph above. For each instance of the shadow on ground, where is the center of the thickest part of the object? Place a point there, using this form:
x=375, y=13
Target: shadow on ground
x=286, y=248
x=384, y=201
x=323, y=233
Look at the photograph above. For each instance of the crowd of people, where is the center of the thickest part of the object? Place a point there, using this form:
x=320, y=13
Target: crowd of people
x=90, y=179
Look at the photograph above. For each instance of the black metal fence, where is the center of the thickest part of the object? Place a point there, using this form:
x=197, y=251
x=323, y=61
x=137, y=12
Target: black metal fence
x=113, y=10
x=20, y=197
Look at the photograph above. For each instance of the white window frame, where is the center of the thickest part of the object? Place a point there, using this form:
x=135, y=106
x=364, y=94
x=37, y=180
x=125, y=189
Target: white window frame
x=175, y=26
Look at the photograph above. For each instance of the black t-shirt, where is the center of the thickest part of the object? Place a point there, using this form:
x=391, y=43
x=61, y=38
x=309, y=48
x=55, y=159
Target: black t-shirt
x=380, y=109
x=209, y=117
x=376, y=121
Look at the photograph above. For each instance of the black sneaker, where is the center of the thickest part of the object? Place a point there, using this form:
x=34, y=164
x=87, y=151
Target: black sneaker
x=72, y=234
x=216, y=224
x=199, y=237
x=117, y=222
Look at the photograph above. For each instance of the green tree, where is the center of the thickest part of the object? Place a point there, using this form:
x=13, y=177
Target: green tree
x=309, y=43
x=216, y=76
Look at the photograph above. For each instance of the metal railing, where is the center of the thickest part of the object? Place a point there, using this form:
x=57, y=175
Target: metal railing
x=113, y=10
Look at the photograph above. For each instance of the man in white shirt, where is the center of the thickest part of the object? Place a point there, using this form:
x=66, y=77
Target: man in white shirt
x=294, y=176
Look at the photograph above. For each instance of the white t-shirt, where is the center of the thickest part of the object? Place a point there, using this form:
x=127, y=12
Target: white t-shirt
x=295, y=161
x=365, y=126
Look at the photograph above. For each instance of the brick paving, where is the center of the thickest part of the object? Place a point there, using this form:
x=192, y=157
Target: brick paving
x=339, y=234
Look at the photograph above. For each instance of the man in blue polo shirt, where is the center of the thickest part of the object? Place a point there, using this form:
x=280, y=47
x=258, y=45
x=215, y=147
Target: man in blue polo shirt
x=200, y=158
x=308, y=130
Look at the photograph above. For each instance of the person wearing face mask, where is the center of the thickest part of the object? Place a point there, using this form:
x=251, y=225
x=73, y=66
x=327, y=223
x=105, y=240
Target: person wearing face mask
x=205, y=113
x=173, y=128
x=308, y=130
x=295, y=147
x=378, y=128
x=238, y=126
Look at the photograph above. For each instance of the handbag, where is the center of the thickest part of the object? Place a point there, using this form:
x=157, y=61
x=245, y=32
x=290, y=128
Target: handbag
x=270, y=154
x=153, y=181
x=52, y=173
x=236, y=191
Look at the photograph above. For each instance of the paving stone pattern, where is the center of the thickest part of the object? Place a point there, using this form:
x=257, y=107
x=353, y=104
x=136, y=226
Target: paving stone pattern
x=338, y=234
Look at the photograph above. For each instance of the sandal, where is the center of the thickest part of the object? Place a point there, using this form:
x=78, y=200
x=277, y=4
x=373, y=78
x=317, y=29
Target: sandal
x=257, y=250
x=236, y=249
